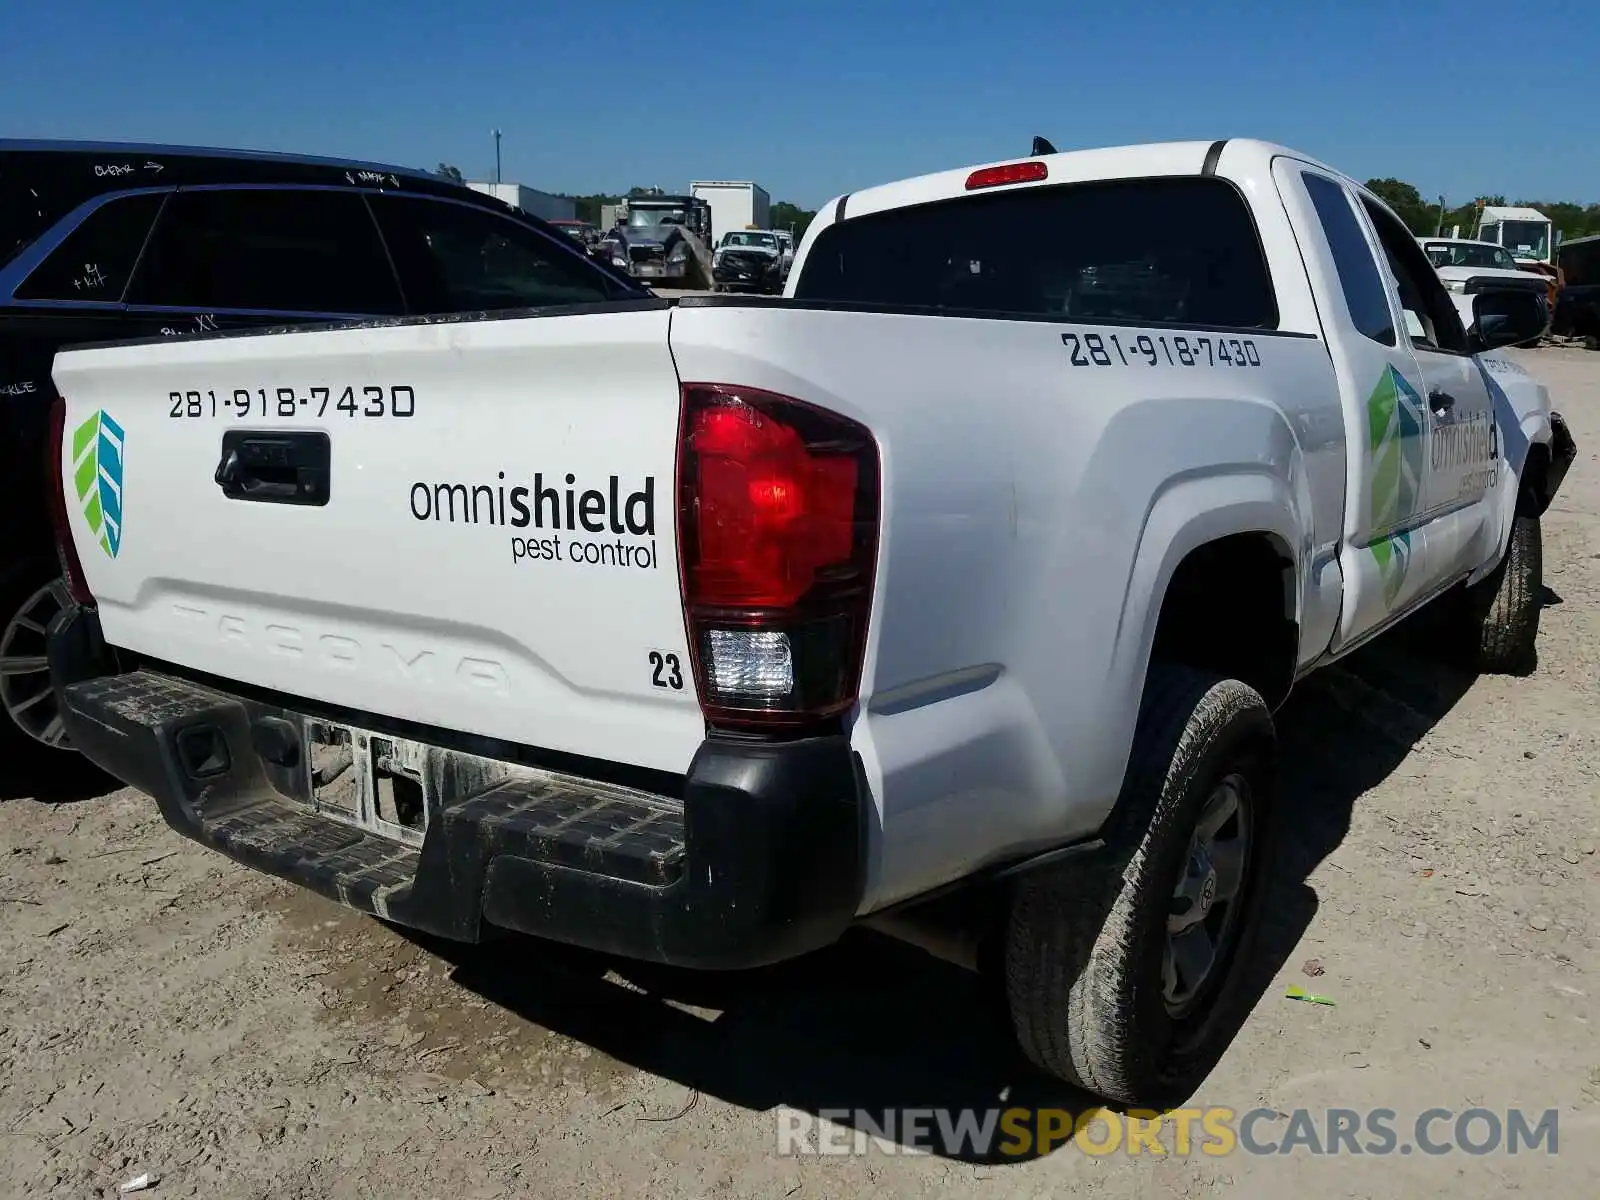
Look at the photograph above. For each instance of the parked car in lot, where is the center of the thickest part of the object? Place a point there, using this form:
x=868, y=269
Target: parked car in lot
x=1469, y=267
x=698, y=631
x=108, y=241
x=747, y=260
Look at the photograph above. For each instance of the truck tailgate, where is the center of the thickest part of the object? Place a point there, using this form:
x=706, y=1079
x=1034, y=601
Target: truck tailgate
x=464, y=524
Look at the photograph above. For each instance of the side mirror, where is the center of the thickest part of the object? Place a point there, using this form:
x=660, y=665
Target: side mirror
x=1506, y=318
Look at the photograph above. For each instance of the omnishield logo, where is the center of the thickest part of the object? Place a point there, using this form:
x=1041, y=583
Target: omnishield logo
x=97, y=455
x=611, y=524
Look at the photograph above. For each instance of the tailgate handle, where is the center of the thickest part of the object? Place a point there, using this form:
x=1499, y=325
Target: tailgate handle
x=275, y=468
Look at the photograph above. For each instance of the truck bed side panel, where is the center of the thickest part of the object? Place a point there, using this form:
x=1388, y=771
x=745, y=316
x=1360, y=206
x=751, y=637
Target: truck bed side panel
x=1019, y=577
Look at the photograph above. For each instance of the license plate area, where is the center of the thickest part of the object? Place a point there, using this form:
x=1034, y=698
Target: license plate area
x=373, y=781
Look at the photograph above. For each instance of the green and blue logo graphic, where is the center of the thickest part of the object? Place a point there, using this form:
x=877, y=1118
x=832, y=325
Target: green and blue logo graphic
x=1395, y=448
x=98, y=446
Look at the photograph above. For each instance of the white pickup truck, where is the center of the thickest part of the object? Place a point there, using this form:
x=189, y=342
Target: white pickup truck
x=698, y=631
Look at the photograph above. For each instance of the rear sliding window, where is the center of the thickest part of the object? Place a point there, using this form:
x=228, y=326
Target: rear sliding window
x=1182, y=251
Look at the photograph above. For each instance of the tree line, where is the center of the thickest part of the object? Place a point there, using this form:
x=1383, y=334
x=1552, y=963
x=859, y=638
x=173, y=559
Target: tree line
x=1428, y=218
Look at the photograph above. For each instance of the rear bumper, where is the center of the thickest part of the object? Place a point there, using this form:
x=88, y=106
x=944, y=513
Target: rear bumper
x=760, y=859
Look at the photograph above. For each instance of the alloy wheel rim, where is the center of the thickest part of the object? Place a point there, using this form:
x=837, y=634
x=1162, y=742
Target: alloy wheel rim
x=25, y=691
x=1203, y=913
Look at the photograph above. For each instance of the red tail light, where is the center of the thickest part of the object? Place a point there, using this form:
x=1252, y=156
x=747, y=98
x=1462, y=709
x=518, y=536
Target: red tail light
x=66, y=550
x=1023, y=172
x=778, y=536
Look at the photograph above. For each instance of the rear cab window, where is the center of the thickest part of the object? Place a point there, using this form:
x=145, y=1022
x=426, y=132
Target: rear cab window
x=1120, y=251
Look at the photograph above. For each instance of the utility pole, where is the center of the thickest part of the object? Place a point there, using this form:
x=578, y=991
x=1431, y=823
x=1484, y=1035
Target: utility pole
x=1440, y=231
x=497, y=156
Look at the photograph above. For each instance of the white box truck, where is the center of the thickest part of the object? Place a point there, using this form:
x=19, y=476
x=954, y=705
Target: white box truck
x=734, y=204
x=530, y=200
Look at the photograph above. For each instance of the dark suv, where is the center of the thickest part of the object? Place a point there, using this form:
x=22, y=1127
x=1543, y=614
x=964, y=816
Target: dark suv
x=104, y=242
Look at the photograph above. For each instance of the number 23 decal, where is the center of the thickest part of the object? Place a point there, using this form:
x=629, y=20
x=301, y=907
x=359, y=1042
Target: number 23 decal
x=665, y=671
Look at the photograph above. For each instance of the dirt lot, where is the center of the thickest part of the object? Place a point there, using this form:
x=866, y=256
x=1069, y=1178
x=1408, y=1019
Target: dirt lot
x=164, y=1011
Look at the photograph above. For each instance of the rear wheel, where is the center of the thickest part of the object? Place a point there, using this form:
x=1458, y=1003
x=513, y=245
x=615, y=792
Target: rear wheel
x=1123, y=975
x=30, y=726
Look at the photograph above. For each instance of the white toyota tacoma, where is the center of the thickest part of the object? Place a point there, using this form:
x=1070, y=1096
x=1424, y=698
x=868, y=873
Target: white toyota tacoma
x=698, y=631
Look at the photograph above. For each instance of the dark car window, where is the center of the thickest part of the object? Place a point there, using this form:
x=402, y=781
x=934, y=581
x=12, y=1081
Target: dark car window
x=1140, y=250
x=1421, y=292
x=93, y=261
x=273, y=249
x=457, y=258
x=1364, y=292
x=1469, y=254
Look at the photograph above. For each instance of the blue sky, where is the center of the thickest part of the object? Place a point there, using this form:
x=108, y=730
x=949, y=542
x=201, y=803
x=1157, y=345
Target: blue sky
x=837, y=96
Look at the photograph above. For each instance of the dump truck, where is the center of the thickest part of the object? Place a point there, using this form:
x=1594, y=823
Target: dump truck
x=664, y=238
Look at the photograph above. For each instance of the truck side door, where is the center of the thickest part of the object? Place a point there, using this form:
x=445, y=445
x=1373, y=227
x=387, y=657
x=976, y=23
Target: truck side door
x=1382, y=554
x=1463, y=441
x=1417, y=409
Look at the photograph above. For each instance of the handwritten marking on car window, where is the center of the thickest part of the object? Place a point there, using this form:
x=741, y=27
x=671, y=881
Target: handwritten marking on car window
x=114, y=170
x=21, y=388
x=92, y=279
x=371, y=177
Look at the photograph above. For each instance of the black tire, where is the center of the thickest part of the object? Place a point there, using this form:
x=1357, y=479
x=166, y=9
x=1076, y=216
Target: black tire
x=1499, y=615
x=1084, y=942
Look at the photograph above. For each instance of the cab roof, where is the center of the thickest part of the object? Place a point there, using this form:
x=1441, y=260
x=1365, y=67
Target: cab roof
x=1151, y=159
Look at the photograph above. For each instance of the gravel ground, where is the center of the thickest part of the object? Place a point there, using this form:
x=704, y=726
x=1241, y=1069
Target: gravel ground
x=163, y=1011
